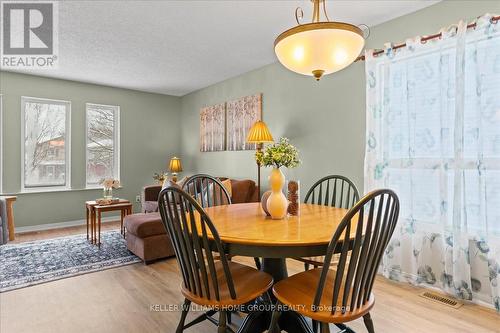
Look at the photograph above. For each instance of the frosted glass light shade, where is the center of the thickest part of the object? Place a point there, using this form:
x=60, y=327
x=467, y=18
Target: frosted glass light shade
x=319, y=48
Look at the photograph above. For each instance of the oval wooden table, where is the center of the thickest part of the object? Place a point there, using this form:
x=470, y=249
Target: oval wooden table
x=246, y=231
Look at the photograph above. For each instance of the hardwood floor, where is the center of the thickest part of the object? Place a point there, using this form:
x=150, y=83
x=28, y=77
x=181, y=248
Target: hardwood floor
x=136, y=298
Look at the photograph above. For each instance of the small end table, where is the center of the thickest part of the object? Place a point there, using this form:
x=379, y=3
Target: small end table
x=9, y=200
x=94, y=213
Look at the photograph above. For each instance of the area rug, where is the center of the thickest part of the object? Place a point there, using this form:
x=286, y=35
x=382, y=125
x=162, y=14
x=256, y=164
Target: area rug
x=31, y=263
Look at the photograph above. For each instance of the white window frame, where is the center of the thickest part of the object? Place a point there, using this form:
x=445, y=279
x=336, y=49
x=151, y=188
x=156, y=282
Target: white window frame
x=116, y=142
x=1, y=143
x=67, y=145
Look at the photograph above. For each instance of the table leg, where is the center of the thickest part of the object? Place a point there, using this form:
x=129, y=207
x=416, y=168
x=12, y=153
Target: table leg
x=92, y=223
x=99, y=228
x=121, y=221
x=128, y=211
x=289, y=321
x=10, y=218
x=87, y=218
x=276, y=267
x=255, y=322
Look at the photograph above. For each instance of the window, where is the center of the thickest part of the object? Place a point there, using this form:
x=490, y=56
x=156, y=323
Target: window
x=433, y=136
x=103, y=143
x=1, y=144
x=45, y=128
x=420, y=151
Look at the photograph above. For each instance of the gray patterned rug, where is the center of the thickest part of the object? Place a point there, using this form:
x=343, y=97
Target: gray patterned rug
x=27, y=264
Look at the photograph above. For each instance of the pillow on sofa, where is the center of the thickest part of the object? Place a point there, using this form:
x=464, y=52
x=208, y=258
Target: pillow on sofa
x=244, y=191
x=228, y=187
x=168, y=182
x=150, y=206
x=208, y=196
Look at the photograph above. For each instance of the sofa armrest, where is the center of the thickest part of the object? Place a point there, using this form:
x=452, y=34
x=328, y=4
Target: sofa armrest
x=149, y=195
x=151, y=192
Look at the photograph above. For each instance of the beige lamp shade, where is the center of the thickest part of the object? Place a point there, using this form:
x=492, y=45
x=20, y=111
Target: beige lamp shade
x=259, y=133
x=175, y=165
x=319, y=48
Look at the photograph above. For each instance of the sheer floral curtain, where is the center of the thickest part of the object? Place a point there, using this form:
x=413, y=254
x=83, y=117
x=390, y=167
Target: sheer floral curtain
x=433, y=135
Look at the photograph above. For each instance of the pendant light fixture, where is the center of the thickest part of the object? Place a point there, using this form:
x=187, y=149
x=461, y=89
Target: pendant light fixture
x=320, y=47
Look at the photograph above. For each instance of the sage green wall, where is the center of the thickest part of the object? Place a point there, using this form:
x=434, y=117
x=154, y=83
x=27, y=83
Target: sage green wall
x=149, y=135
x=326, y=119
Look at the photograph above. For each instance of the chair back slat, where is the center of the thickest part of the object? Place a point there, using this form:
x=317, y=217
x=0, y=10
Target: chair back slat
x=182, y=246
x=368, y=240
x=189, y=239
x=210, y=260
x=335, y=191
x=176, y=242
x=207, y=190
x=365, y=232
x=383, y=244
x=327, y=194
x=340, y=268
x=198, y=247
x=189, y=228
x=354, y=256
x=188, y=251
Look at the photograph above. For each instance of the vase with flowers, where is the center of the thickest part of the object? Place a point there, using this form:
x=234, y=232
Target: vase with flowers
x=160, y=177
x=108, y=185
x=278, y=155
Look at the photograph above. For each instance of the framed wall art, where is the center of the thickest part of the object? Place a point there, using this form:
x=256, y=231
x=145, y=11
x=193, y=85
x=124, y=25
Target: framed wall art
x=213, y=128
x=242, y=113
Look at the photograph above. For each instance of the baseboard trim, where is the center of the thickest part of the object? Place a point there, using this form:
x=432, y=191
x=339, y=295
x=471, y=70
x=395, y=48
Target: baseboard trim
x=49, y=226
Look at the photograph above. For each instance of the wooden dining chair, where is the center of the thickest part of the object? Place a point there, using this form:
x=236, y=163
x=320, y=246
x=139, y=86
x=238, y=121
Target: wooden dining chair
x=209, y=192
x=335, y=191
x=217, y=284
x=344, y=294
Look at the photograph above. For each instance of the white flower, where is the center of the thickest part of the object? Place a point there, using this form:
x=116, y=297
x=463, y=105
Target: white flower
x=110, y=183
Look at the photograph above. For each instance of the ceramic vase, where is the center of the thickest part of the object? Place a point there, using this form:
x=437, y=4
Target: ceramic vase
x=277, y=204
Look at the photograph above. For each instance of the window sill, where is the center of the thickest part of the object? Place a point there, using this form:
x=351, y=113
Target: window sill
x=55, y=190
x=98, y=188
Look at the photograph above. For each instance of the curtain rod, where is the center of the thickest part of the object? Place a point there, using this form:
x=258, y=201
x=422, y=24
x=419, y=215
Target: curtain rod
x=494, y=20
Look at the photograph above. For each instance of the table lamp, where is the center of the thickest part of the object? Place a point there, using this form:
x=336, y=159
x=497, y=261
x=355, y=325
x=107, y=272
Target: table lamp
x=259, y=134
x=175, y=167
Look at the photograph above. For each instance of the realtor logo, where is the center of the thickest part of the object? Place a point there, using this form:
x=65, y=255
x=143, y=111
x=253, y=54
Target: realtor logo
x=29, y=34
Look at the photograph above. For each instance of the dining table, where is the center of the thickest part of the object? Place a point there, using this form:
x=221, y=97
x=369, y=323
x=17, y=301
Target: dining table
x=245, y=230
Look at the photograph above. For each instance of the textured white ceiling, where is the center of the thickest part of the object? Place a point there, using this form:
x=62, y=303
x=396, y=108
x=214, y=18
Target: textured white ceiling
x=176, y=47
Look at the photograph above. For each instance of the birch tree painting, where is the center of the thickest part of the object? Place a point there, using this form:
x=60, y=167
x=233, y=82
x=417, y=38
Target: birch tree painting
x=242, y=113
x=212, y=128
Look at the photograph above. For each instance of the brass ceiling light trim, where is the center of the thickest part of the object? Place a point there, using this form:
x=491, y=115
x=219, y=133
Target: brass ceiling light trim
x=320, y=47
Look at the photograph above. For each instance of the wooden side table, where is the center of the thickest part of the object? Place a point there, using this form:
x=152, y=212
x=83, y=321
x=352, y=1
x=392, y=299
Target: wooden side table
x=94, y=214
x=9, y=201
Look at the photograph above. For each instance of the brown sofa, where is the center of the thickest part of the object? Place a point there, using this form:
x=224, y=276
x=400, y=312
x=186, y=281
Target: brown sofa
x=146, y=235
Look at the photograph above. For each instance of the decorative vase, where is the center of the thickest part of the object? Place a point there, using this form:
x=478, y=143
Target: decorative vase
x=263, y=202
x=108, y=193
x=277, y=203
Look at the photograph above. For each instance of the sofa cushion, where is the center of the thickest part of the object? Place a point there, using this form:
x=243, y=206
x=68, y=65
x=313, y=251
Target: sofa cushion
x=243, y=190
x=150, y=206
x=150, y=248
x=144, y=225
